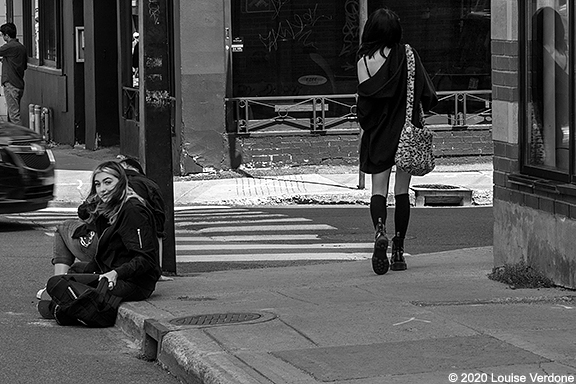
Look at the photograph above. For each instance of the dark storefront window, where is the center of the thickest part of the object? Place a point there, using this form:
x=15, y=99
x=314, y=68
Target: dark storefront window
x=49, y=34
x=297, y=47
x=452, y=38
x=294, y=47
x=41, y=37
x=547, y=86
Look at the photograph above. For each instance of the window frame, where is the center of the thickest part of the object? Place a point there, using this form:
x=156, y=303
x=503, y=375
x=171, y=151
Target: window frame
x=43, y=32
x=523, y=110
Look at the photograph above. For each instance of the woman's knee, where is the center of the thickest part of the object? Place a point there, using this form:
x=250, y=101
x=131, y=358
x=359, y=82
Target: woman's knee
x=402, y=182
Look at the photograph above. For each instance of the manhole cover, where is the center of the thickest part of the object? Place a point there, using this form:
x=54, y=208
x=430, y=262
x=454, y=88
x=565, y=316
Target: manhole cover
x=435, y=186
x=218, y=318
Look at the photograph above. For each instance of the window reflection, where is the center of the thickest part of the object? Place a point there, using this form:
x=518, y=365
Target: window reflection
x=549, y=87
x=49, y=25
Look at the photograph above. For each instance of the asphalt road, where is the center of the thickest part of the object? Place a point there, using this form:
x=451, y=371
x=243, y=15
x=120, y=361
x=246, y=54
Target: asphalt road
x=35, y=350
x=39, y=351
x=431, y=230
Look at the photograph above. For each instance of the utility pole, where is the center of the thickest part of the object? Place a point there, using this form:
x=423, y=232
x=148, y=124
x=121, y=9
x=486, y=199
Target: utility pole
x=155, y=115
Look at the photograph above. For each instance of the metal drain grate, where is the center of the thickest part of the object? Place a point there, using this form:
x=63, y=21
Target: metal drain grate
x=214, y=319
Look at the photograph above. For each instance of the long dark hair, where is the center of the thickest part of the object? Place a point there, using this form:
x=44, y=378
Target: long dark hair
x=118, y=195
x=382, y=29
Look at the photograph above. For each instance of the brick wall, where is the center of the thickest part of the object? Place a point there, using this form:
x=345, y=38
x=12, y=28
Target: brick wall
x=533, y=217
x=338, y=149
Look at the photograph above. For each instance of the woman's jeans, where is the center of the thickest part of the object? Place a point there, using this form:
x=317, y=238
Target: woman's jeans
x=67, y=250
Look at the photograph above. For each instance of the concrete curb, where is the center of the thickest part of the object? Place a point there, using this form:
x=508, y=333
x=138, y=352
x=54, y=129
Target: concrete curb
x=457, y=302
x=187, y=353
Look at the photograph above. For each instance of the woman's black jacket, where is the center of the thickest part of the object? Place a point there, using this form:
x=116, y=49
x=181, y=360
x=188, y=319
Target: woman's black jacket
x=129, y=246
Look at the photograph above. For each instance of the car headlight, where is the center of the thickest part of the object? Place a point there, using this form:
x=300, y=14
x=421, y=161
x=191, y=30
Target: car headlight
x=50, y=156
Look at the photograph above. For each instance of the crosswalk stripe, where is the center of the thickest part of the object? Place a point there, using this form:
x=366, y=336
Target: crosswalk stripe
x=205, y=208
x=280, y=220
x=220, y=234
x=239, y=247
x=226, y=217
x=268, y=228
x=230, y=238
x=272, y=256
x=228, y=213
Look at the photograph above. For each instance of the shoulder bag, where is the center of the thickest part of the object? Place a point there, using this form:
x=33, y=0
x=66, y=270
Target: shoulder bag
x=80, y=303
x=414, y=154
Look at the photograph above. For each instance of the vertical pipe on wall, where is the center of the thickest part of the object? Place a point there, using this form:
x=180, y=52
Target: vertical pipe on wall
x=46, y=115
x=38, y=119
x=31, y=124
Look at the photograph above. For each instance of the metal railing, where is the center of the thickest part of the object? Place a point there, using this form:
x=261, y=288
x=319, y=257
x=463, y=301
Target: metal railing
x=337, y=113
x=283, y=114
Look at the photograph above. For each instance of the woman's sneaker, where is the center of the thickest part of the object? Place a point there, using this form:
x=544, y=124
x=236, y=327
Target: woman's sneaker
x=46, y=309
x=43, y=295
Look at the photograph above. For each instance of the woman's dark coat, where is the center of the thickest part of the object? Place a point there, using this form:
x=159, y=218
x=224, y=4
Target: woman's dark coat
x=382, y=108
x=129, y=246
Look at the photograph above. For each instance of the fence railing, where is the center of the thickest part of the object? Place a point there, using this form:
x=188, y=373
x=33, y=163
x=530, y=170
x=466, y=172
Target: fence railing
x=319, y=114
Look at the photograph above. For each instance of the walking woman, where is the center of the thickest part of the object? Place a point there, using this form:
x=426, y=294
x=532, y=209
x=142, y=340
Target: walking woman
x=382, y=76
x=127, y=252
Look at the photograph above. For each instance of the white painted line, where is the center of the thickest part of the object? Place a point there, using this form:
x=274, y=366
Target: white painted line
x=257, y=221
x=231, y=212
x=218, y=213
x=231, y=238
x=268, y=228
x=236, y=247
x=226, y=217
x=272, y=257
x=202, y=208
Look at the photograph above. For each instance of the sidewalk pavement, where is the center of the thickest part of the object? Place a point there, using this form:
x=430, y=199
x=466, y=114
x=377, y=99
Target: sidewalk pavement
x=339, y=322
x=327, y=186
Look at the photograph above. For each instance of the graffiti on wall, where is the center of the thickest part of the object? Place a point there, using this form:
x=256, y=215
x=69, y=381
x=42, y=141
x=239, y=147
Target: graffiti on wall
x=350, y=32
x=154, y=11
x=299, y=29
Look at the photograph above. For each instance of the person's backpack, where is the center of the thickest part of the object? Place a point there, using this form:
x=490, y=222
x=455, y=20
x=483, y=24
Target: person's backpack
x=79, y=303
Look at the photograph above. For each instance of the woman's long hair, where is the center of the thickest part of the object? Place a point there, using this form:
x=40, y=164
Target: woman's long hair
x=382, y=29
x=118, y=196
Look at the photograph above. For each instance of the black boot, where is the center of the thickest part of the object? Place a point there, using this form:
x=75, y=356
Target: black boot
x=380, y=262
x=398, y=263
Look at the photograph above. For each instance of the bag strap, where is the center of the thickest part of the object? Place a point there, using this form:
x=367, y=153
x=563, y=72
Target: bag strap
x=411, y=64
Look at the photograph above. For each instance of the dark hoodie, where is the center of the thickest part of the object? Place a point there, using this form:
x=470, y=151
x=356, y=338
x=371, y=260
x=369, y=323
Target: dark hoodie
x=130, y=246
x=382, y=108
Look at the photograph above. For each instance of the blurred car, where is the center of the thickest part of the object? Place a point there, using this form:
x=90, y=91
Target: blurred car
x=26, y=170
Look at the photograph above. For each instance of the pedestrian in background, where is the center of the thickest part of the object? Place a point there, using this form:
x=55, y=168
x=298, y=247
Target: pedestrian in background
x=14, y=63
x=382, y=90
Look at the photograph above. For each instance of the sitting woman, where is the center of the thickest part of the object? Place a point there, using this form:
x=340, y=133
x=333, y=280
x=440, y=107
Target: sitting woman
x=127, y=254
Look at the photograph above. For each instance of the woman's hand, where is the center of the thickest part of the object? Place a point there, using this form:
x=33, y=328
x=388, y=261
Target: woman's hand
x=112, y=277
